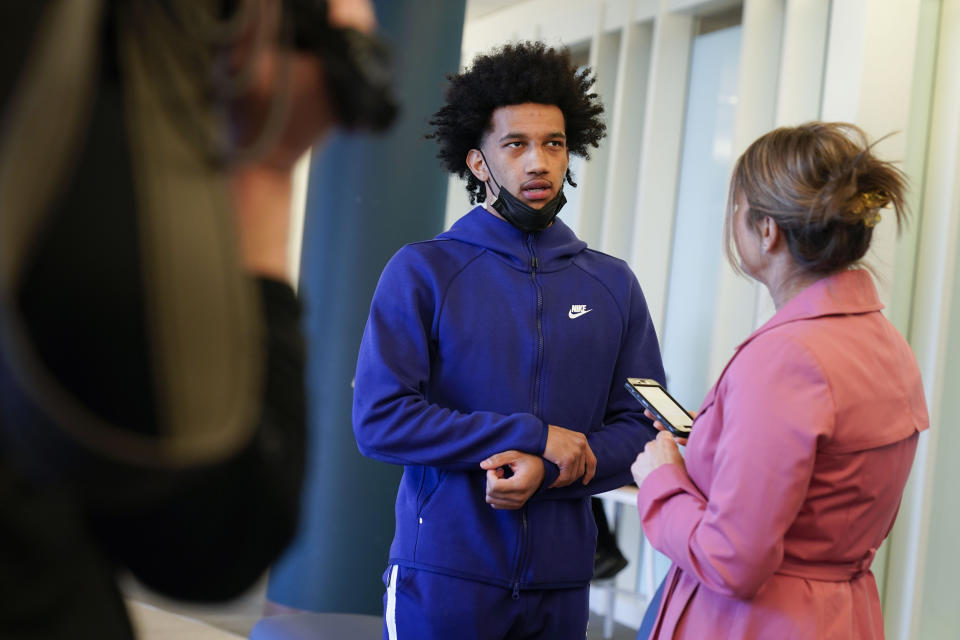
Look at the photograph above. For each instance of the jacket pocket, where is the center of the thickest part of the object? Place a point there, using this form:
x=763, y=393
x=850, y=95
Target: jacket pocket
x=429, y=484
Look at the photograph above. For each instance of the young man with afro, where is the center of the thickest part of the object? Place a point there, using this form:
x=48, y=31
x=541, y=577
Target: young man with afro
x=492, y=367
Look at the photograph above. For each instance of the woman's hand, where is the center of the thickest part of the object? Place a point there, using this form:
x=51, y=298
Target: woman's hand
x=661, y=427
x=658, y=452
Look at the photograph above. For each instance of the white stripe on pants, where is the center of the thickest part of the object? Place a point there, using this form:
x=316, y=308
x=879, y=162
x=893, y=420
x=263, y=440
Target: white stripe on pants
x=391, y=612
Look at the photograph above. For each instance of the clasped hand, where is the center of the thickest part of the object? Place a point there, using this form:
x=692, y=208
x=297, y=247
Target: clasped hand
x=571, y=452
x=513, y=492
x=567, y=449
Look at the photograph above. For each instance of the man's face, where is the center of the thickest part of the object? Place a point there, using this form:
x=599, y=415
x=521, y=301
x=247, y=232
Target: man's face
x=526, y=149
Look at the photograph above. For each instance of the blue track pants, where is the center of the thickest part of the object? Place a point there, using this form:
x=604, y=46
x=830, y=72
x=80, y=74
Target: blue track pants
x=420, y=605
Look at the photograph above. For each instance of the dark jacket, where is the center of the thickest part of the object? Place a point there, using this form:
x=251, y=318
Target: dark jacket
x=476, y=342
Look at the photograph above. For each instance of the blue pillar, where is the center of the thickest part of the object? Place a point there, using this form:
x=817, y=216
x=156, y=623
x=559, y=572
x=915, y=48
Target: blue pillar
x=367, y=197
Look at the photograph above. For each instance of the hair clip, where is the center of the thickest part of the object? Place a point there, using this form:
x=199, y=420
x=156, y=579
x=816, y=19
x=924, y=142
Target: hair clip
x=870, y=203
x=874, y=199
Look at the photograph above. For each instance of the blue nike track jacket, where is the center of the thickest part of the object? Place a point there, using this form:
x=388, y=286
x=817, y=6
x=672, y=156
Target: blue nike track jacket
x=476, y=341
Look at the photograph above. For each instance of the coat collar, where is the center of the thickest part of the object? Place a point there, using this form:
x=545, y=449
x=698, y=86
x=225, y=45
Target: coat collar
x=844, y=293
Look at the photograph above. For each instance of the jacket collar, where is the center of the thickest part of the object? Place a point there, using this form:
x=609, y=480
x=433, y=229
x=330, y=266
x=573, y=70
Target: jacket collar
x=843, y=293
x=554, y=247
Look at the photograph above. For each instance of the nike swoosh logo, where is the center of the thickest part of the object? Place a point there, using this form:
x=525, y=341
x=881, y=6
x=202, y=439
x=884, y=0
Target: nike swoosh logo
x=576, y=314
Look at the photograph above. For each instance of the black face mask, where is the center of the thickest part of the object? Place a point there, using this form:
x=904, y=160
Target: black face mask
x=521, y=215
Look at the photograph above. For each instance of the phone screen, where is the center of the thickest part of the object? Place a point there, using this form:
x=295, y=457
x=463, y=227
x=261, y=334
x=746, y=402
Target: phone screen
x=666, y=406
x=652, y=396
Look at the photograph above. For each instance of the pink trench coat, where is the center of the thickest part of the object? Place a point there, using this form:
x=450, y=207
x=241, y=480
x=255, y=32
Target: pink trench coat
x=796, y=463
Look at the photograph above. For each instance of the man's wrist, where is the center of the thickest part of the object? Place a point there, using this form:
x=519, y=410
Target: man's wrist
x=544, y=436
x=550, y=474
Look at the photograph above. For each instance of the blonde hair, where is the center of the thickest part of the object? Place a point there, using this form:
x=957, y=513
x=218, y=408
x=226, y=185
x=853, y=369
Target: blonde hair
x=822, y=186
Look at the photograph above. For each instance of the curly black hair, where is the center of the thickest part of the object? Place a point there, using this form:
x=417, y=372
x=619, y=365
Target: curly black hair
x=515, y=74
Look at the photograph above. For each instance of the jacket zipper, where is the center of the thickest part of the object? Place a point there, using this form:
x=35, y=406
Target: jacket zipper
x=523, y=553
x=534, y=265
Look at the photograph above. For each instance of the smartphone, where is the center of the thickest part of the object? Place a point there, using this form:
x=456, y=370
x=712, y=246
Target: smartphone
x=662, y=405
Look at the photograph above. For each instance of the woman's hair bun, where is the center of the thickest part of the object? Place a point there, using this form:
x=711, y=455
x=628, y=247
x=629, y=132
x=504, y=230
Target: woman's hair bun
x=824, y=187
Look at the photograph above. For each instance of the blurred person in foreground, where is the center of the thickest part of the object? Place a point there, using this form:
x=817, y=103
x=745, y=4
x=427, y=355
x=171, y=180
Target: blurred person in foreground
x=151, y=360
x=797, y=461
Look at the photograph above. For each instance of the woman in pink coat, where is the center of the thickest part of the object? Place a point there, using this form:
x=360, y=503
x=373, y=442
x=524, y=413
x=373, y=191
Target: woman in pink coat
x=800, y=452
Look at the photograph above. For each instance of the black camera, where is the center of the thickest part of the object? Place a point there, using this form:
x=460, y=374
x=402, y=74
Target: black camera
x=357, y=65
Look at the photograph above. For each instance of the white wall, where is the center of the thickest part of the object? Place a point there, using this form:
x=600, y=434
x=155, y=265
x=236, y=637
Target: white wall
x=924, y=560
x=704, y=173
